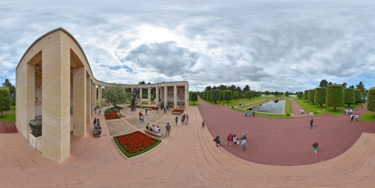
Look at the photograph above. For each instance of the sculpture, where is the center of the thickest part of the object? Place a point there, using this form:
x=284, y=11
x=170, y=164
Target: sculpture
x=133, y=101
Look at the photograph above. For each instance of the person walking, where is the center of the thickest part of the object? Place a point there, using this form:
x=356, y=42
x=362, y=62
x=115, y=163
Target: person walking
x=140, y=114
x=244, y=135
x=165, y=110
x=245, y=113
x=217, y=141
x=253, y=114
x=168, y=129
x=187, y=119
x=230, y=139
x=100, y=111
x=315, y=147
x=243, y=144
x=176, y=120
x=203, y=124
x=146, y=112
x=182, y=119
x=351, y=118
x=311, y=123
x=98, y=123
x=95, y=109
x=356, y=118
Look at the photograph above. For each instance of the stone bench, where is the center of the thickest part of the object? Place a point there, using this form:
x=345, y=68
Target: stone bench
x=159, y=135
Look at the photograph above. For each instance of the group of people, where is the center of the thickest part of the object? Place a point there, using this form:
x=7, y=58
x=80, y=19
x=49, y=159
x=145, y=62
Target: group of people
x=301, y=111
x=153, y=128
x=250, y=113
x=100, y=110
x=350, y=112
x=184, y=119
x=97, y=128
x=232, y=138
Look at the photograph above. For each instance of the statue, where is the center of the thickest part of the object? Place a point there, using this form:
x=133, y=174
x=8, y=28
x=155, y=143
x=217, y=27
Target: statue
x=133, y=101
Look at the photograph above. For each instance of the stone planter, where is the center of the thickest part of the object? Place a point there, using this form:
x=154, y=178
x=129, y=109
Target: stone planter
x=36, y=127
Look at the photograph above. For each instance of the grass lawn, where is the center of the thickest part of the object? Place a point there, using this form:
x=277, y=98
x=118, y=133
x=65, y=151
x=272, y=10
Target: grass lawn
x=12, y=108
x=367, y=117
x=194, y=103
x=8, y=117
x=234, y=102
x=287, y=109
x=254, y=104
x=308, y=107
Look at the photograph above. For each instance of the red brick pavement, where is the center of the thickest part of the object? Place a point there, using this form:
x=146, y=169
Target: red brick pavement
x=277, y=141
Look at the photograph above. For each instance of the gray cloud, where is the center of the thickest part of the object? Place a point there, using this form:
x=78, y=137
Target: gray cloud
x=268, y=44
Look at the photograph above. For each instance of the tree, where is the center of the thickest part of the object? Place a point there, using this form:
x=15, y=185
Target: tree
x=287, y=94
x=323, y=83
x=227, y=95
x=236, y=94
x=299, y=95
x=361, y=87
x=311, y=95
x=349, y=96
x=306, y=95
x=320, y=96
x=116, y=95
x=371, y=100
x=267, y=93
x=344, y=85
x=335, y=96
x=216, y=95
x=4, y=99
x=209, y=93
x=208, y=88
x=246, y=88
x=194, y=96
x=358, y=96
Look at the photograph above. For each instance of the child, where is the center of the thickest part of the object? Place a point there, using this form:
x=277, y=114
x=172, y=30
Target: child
x=230, y=139
x=315, y=147
x=243, y=144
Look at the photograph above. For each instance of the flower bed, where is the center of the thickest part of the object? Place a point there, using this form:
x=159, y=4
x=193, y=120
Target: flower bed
x=153, y=107
x=135, y=143
x=177, y=111
x=112, y=116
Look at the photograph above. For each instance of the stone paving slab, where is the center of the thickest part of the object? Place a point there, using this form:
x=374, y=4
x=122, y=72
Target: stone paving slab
x=118, y=127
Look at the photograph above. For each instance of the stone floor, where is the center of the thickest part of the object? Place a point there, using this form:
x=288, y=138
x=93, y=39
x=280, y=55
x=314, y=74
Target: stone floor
x=188, y=158
x=118, y=127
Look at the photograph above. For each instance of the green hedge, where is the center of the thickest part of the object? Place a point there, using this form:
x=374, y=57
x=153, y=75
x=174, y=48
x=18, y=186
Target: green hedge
x=335, y=96
x=320, y=95
x=306, y=95
x=311, y=95
x=371, y=100
x=216, y=95
x=4, y=99
x=349, y=96
x=228, y=95
x=358, y=96
x=115, y=109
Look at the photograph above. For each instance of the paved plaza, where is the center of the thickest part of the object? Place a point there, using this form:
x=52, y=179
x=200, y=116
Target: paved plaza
x=188, y=158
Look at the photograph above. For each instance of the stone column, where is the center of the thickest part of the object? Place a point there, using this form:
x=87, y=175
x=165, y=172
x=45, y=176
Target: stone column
x=56, y=102
x=186, y=95
x=131, y=90
x=88, y=99
x=149, y=96
x=100, y=90
x=157, y=95
x=79, y=101
x=29, y=112
x=140, y=95
x=165, y=96
x=93, y=98
x=174, y=96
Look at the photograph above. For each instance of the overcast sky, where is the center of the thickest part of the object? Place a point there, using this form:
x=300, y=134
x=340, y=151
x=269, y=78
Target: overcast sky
x=283, y=45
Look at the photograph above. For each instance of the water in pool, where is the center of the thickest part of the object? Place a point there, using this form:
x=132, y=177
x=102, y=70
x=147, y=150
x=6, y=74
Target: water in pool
x=270, y=107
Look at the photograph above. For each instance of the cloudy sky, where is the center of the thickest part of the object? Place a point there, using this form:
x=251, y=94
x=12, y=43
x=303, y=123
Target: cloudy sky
x=283, y=45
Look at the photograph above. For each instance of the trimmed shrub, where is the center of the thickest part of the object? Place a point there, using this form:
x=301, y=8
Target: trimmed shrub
x=194, y=96
x=358, y=96
x=216, y=95
x=227, y=95
x=4, y=99
x=311, y=95
x=320, y=95
x=299, y=95
x=349, y=96
x=305, y=95
x=236, y=94
x=208, y=95
x=371, y=99
x=221, y=95
x=335, y=96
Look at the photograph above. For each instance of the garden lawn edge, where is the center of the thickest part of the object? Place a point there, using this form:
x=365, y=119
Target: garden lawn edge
x=122, y=151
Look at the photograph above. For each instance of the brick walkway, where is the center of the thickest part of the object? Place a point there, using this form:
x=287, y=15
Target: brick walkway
x=277, y=141
x=188, y=158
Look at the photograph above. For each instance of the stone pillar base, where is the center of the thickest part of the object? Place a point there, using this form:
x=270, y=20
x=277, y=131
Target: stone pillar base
x=36, y=142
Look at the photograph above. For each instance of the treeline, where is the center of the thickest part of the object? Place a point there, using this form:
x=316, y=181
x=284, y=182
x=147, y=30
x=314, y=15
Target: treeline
x=334, y=95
